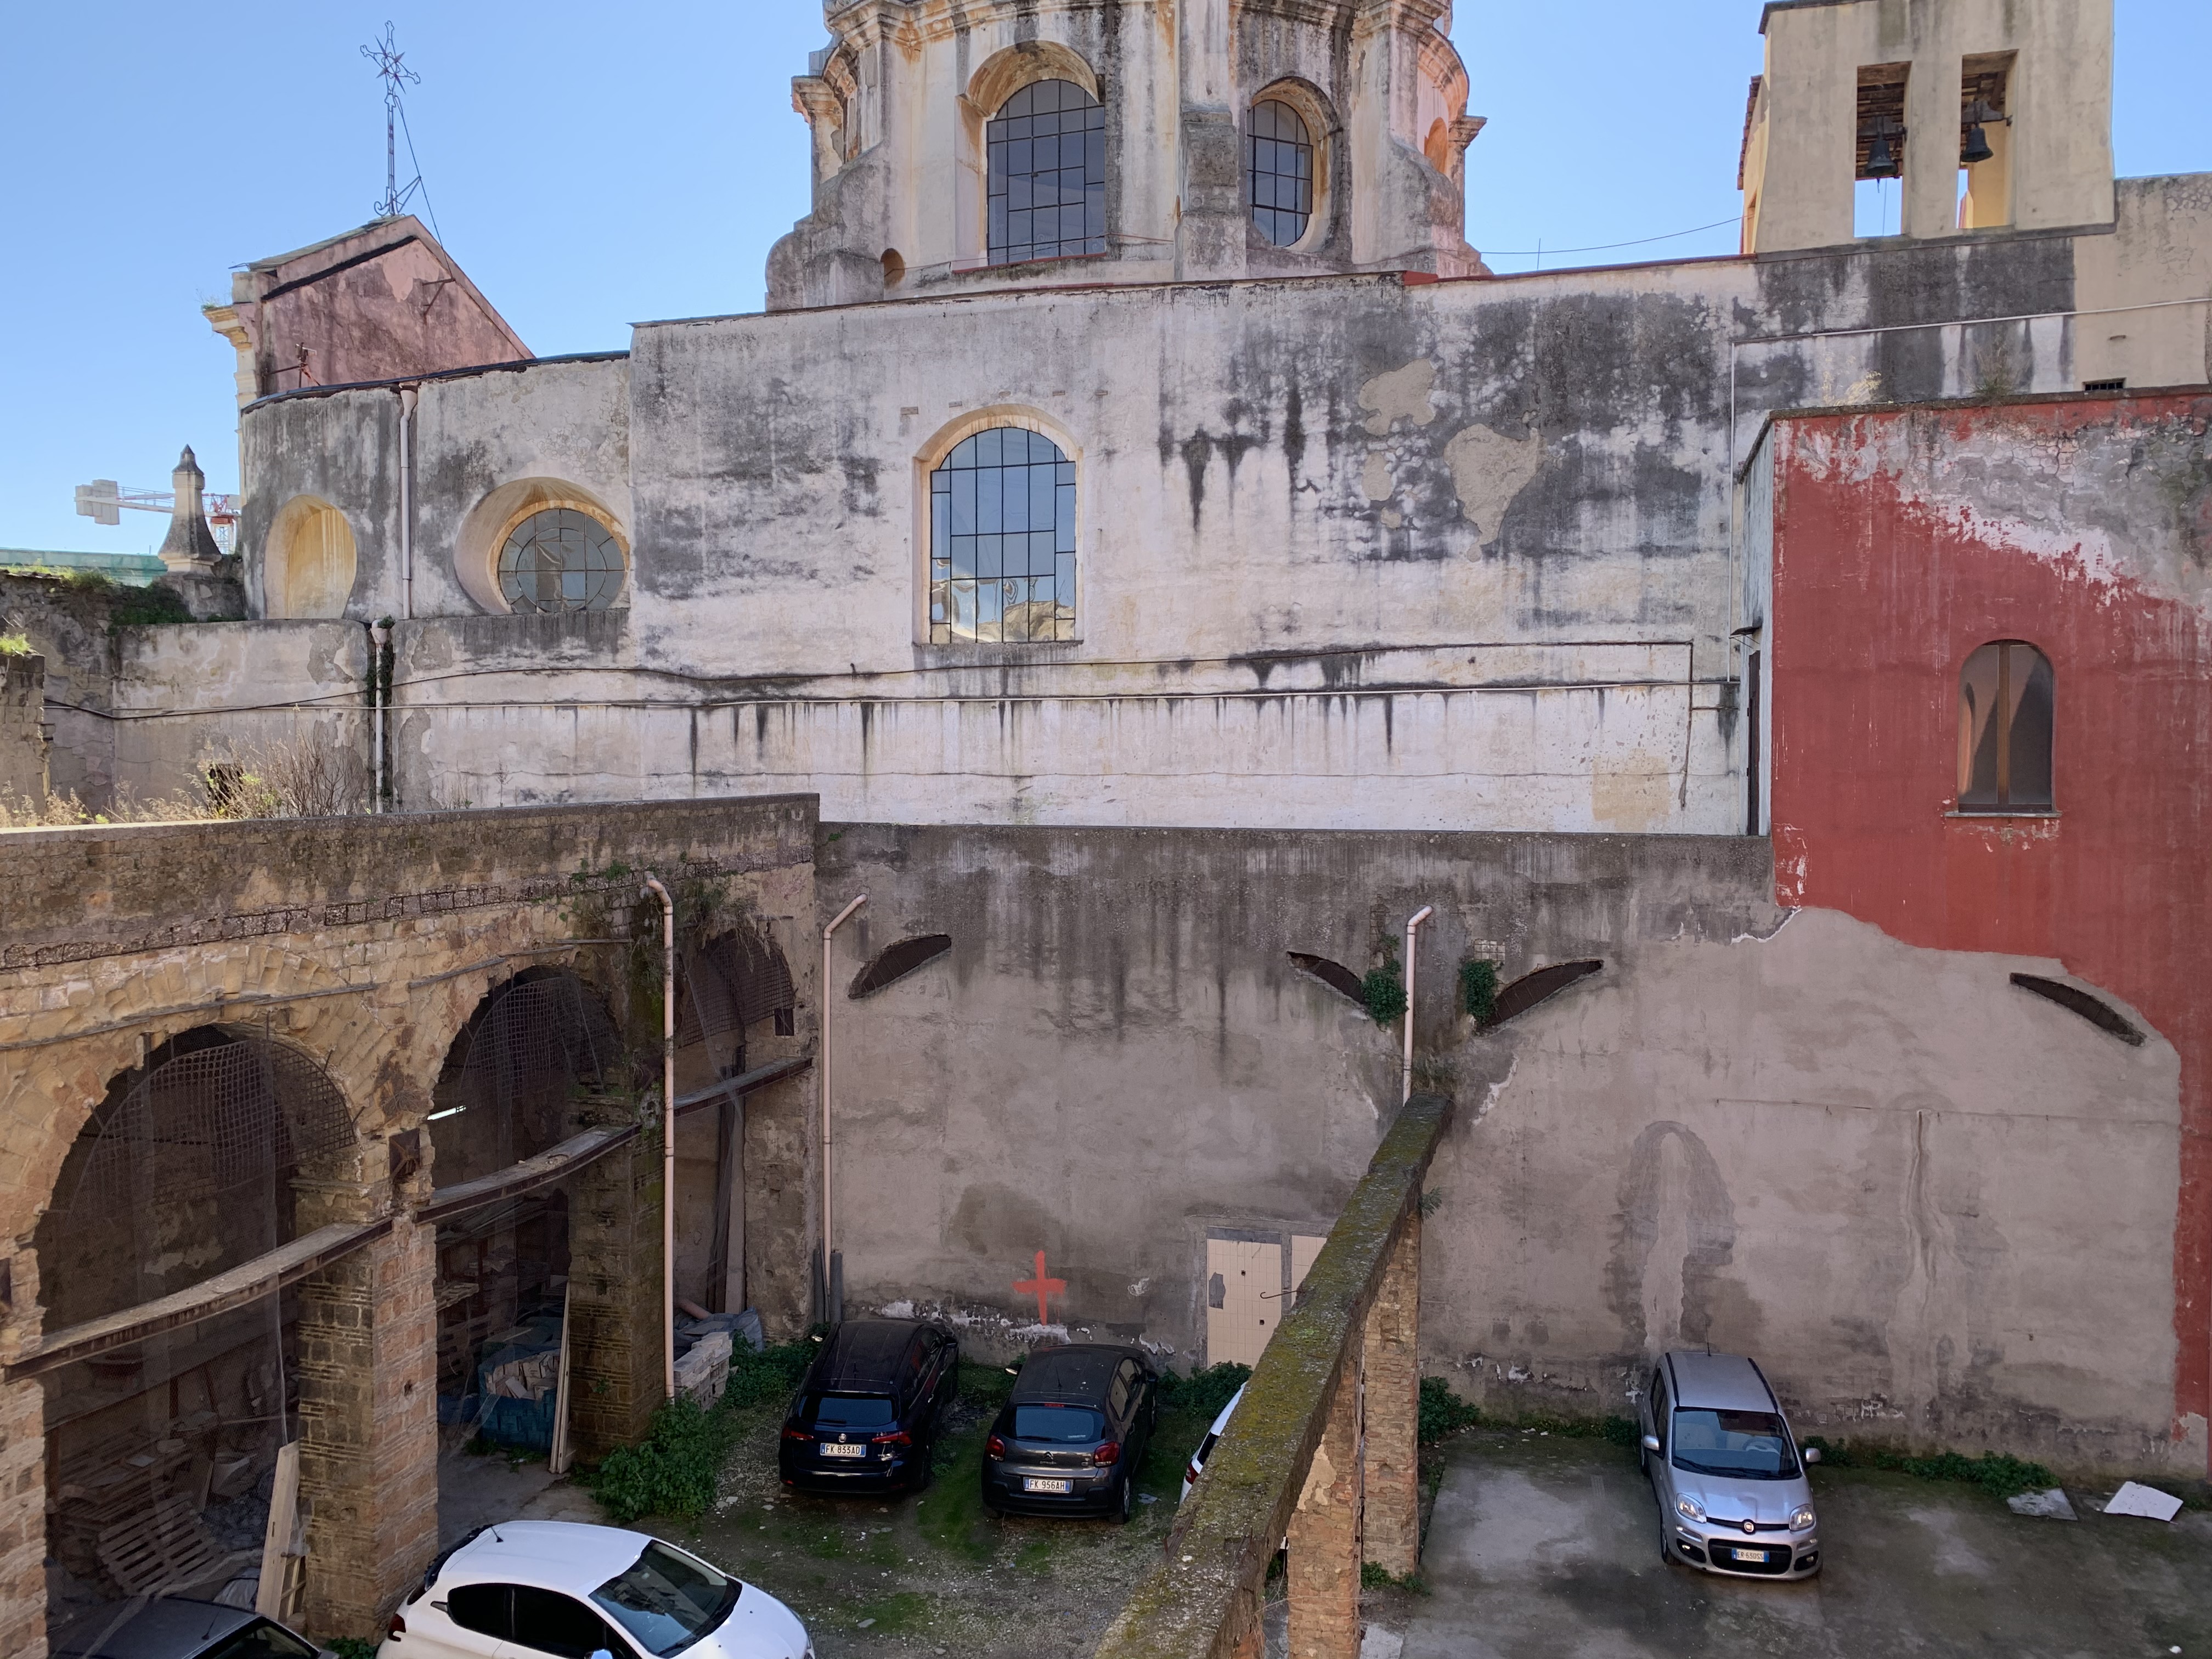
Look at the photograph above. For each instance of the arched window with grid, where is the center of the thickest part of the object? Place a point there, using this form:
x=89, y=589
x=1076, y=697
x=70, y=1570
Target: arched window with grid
x=1047, y=152
x=1002, y=540
x=1278, y=171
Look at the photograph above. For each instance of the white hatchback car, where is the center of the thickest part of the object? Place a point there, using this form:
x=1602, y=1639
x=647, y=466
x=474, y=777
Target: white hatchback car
x=520, y=1589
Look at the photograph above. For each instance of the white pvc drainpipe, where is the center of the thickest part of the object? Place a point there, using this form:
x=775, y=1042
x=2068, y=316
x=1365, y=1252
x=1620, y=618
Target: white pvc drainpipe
x=839, y=920
x=667, y=1135
x=407, y=396
x=378, y=636
x=1412, y=922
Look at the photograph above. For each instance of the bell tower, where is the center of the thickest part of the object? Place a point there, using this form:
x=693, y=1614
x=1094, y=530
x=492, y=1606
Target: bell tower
x=1987, y=114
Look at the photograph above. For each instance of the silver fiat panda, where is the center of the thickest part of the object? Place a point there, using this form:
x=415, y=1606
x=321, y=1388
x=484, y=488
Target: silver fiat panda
x=1730, y=1479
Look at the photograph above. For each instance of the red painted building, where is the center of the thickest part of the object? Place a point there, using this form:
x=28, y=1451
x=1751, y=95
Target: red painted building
x=2047, y=803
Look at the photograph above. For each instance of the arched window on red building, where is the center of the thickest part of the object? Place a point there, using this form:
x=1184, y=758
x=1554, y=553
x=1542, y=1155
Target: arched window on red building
x=2007, y=702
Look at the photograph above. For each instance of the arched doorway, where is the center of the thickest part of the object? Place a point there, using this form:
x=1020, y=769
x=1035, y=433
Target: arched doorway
x=517, y=1081
x=161, y=1450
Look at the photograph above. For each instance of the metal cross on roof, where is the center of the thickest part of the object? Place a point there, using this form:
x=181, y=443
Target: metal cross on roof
x=393, y=70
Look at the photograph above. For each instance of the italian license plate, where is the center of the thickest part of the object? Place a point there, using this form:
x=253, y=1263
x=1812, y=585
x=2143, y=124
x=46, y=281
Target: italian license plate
x=1758, y=1556
x=1040, y=1483
x=831, y=1449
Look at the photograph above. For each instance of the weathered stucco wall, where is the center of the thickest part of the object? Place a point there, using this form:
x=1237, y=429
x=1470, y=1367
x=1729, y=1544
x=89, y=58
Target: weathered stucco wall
x=1937, y=1208
x=1466, y=551
x=22, y=725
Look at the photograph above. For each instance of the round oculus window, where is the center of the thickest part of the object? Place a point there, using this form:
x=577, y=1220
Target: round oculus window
x=560, y=559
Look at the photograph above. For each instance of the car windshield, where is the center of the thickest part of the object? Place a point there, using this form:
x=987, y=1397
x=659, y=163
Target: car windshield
x=262, y=1641
x=849, y=1411
x=1074, y=1425
x=667, y=1600
x=1750, y=1445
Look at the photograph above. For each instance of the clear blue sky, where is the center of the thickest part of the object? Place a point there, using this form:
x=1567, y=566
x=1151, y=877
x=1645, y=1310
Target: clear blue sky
x=594, y=165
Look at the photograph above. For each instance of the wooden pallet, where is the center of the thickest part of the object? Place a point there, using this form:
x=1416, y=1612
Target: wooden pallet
x=163, y=1548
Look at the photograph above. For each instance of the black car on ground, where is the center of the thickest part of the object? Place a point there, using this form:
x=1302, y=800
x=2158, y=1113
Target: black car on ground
x=175, y=1627
x=865, y=1418
x=1073, y=1432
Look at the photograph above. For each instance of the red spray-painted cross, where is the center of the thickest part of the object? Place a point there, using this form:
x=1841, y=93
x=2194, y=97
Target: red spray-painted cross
x=1040, y=1287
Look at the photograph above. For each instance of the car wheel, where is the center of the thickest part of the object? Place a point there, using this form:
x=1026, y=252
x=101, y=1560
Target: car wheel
x=1666, y=1541
x=1126, y=1506
x=927, y=1477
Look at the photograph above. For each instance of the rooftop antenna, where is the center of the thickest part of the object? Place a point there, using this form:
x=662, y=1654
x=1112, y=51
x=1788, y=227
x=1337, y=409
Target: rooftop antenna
x=393, y=70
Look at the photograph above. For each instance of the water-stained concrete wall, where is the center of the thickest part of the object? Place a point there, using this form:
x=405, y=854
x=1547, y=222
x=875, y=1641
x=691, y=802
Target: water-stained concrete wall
x=1938, y=1208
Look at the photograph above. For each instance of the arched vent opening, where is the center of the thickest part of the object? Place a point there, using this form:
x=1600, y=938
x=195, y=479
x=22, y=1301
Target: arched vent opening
x=2098, y=1013
x=894, y=963
x=1334, y=975
x=1526, y=992
x=532, y=1046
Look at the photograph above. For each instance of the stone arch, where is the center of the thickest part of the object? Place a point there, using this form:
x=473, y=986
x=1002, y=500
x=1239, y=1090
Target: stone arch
x=309, y=561
x=485, y=531
x=1005, y=72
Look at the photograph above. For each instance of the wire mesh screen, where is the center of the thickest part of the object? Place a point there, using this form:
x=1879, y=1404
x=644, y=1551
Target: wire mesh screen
x=532, y=1046
x=159, y=1452
x=734, y=979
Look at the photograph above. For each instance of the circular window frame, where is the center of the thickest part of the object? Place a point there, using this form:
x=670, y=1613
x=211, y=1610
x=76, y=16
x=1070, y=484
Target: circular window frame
x=502, y=512
x=1307, y=101
x=517, y=519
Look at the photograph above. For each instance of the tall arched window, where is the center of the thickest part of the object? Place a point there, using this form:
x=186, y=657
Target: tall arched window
x=1002, y=540
x=1278, y=172
x=2007, y=702
x=1047, y=151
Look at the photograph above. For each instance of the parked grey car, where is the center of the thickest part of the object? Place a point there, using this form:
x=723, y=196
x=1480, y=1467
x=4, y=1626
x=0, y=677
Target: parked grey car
x=1730, y=1479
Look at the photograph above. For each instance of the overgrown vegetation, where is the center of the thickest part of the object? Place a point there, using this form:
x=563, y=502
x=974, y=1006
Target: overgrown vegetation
x=1374, y=1577
x=353, y=1647
x=1443, y=1412
x=15, y=645
x=1995, y=1473
x=1478, y=989
x=128, y=605
x=65, y=811
x=676, y=1469
x=1204, y=1393
x=1383, y=991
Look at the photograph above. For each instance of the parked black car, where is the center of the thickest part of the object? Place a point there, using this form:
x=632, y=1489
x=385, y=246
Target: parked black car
x=1071, y=1435
x=173, y=1627
x=866, y=1417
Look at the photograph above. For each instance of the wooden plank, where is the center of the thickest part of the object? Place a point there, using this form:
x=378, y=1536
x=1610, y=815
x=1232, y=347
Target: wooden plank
x=234, y=1287
x=276, y=1542
x=162, y=1548
x=562, y=1454
x=555, y=1164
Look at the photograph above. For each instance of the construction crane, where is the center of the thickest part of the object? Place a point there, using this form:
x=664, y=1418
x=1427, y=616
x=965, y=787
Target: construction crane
x=103, y=499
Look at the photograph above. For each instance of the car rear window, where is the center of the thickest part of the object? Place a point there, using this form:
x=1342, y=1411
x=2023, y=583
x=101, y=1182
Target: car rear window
x=1750, y=1445
x=262, y=1641
x=849, y=1411
x=667, y=1601
x=1073, y=1425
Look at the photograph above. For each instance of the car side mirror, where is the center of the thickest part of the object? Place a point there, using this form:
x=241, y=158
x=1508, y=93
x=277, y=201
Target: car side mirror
x=1651, y=1442
x=1812, y=1454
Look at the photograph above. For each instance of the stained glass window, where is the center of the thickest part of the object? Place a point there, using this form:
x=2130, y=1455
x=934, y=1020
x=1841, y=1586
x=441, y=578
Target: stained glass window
x=1002, y=540
x=561, y=560
x=1046, y=151
x=1278, y=168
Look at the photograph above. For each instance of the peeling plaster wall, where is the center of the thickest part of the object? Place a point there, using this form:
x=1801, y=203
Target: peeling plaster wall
x=1935, y=1207
x=1904, y=541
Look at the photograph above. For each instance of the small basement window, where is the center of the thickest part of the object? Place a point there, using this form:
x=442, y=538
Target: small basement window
x=895, y=961
x=1526, y=992
x=2098, y=1013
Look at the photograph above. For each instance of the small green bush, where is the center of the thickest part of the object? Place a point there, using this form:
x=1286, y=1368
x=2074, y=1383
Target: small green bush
x=1478, y=990
x=1203, y=1393
x=354, y=1647
x=673, y=1471
x=1441, y=1412
x=15, y=645
x=1383, y=991
x=1998, y=1473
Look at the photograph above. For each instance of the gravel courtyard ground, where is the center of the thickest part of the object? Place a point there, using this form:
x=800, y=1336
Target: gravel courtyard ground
x=931, y=1574
x=1542, y=1547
